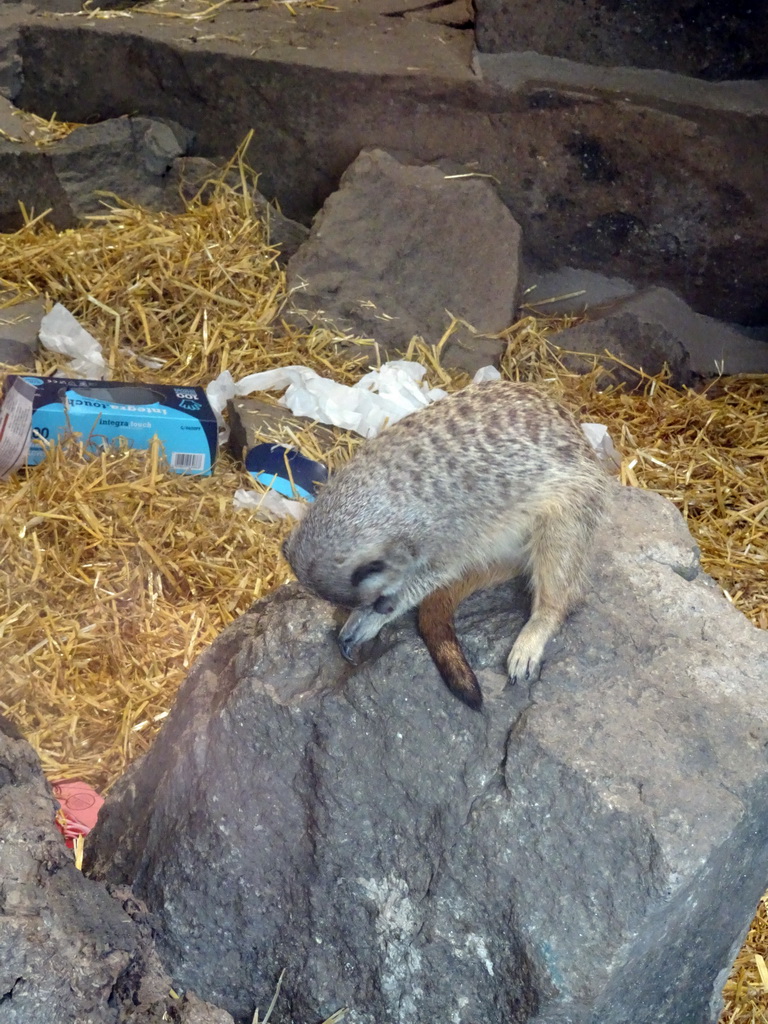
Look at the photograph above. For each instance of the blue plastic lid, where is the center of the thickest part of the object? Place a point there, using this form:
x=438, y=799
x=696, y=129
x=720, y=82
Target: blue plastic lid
x=267, y=464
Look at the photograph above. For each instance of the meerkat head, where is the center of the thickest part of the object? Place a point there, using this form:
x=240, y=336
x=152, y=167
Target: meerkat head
x=368, y=575
x=378, y=580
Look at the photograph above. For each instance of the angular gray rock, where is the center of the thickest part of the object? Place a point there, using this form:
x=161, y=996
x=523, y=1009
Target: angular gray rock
x=252, y=421
x=729, y=42
x=571, y=290
x=69, y=952
x=399, y=248
x=285, y=234
x=27, y=176
x=19, y=325
x=12, y=127
x=588, y=851
x=13, y=353
x=64, y=941
x=10, y=58
x=191, y=1010
x=655, y=326
x=127, y=157
x=192, y=174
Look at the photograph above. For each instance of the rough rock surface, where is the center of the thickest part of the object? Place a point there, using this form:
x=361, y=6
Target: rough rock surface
x=728, y=41
x=282, y=232
x=655, y=326
x=19, y=324
x=590, y=851
x=64, y=940
x=13, y=353
x=12, y=127
x=652, y=176
x=69, y=952
x=28, y=177
x=10, y=59
x=191, y=1010
x=399, y=249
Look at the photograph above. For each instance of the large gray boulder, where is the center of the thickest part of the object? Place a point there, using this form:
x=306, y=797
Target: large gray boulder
x=399, y=250
x=589, y=850
x=63, y=941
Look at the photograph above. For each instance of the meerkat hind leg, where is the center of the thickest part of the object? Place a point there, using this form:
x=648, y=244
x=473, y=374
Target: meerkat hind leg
x=556, y=566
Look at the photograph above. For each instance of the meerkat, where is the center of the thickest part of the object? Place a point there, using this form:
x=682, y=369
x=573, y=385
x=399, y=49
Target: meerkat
x=492, y=481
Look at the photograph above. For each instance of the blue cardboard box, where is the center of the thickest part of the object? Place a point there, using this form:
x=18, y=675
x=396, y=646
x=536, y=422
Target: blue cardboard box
x=103, y=411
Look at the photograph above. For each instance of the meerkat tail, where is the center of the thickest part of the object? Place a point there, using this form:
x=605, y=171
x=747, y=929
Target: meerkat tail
x=436, y=625
x=439, y=634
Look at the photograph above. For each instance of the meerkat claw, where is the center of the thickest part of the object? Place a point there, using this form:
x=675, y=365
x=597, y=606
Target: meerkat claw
x=353, y=634
x=348, y=650
x=523, y=671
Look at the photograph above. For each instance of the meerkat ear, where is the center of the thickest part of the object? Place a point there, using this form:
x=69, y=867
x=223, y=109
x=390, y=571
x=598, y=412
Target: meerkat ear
x=400, y=554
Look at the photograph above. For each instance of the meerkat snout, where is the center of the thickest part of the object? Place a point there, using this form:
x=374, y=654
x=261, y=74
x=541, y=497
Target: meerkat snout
x=495, y=479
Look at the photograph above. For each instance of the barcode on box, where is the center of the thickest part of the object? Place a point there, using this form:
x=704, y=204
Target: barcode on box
x=193, y=461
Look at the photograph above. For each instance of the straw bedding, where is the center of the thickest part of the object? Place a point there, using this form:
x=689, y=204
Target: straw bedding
x=116, y=573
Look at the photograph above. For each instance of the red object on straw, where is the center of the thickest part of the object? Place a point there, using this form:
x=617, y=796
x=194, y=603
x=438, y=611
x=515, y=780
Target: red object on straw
x=79, y=807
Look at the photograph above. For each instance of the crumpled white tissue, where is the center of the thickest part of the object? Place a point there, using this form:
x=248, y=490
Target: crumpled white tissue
x=486, y=373
x=60, y=332
x=601, y=441
x=269, y=504
x=382, y=396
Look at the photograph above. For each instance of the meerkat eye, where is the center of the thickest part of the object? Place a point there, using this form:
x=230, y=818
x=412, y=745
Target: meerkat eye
x=362, y=572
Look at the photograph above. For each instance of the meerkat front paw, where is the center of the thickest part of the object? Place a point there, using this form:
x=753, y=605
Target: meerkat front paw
x=523, y=665
x=363, y=624
x=524, y=662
